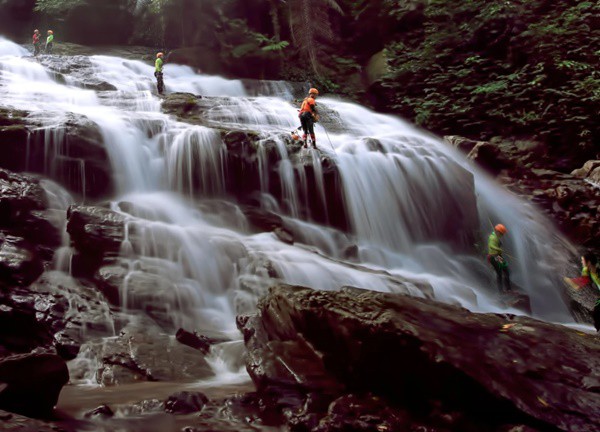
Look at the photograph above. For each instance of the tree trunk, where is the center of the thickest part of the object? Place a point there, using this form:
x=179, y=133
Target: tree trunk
x=275, y=20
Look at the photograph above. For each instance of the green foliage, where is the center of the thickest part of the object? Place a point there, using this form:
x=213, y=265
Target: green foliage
x=481, y=68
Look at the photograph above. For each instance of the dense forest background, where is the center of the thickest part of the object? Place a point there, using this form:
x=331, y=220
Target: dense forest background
x=478, y=68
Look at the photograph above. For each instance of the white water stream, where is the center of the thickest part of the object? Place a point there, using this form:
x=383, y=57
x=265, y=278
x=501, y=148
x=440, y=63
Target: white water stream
x=404, y=201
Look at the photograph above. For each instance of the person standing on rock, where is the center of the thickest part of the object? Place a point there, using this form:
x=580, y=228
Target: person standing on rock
x=49, y=42
x=158, y=73
x=308, y=116
x=589, y=277
x=37, y=42
x=496, y=259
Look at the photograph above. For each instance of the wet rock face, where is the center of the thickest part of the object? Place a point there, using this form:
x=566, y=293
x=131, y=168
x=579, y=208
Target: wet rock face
x=27, y=231
x=33, y=383
x=244, y=151
x=96, y=233
x=71, y=153
x=526, y=168
x=55, y=312
x=447, y=368
x=79, y=68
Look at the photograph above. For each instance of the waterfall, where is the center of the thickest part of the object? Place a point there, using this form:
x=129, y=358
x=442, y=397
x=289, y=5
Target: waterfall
x=418, y=212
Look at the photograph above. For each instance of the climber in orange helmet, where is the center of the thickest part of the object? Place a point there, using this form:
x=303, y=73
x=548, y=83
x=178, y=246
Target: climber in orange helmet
x=309, y=116
x=496, y=259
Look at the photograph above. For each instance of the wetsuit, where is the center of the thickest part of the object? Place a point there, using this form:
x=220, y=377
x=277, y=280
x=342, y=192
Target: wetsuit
x=49, y=43
x=37, y=44
x=158, y=73
x=498, y=263
x=307, y=114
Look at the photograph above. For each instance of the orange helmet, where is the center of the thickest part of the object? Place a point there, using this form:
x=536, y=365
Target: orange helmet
x=501, y=229
x=313, y=91
x=159, y=55
x=50, y=32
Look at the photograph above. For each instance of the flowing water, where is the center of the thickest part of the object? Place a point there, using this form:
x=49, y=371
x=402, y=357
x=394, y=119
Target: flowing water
x=412, y=202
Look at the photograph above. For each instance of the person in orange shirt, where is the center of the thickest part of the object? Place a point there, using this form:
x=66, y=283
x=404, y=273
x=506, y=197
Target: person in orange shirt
x=308, y=116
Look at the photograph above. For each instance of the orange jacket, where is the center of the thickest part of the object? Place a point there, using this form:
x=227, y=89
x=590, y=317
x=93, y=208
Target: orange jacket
x=308, y=105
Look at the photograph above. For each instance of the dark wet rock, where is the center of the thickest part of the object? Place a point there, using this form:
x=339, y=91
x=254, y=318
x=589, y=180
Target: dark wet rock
x=34, y=382
x=21, y=331
x=147, y=406
x=11, y=422
x=184, y=106
x=55, y=310
x=262, y=220
x=19, y=264
x=336, y=342
x=144, y=354
x=489, y=156
x=351, y=253
x=110, y=279
x=24, y=211
x=185, y=402
x=194, y=340
x=362, y=414
x=96, y=233
x=103, y=411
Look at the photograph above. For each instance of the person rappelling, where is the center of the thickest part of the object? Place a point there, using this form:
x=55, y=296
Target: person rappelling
x=36, y=39
x=496, y=259
x=590, y=278
x=309, y=116
x=158, y=73
x=49, y=42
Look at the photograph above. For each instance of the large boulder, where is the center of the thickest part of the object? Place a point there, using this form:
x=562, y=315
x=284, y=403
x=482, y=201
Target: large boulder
x=55, y=312
x=436, y=360
x=33, y=381
x=142, y=353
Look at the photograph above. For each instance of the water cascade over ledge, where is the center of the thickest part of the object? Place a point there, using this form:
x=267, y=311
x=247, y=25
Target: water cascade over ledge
x=414, y=212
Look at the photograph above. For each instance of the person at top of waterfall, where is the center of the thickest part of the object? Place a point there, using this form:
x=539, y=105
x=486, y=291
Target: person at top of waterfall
x=158, y=72
x=590, y=277
x=309, y=116
x=36, y=39
x=49, y=42
x=496, y=259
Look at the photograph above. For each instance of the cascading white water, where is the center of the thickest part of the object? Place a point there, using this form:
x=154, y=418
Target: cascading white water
x=405, y=193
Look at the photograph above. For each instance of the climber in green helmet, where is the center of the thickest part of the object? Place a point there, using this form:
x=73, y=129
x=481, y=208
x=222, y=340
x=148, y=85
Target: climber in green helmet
x=158, y=73
x=496, y=259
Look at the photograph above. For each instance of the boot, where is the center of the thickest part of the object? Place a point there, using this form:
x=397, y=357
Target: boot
x=305, y=141
x=314, y=141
